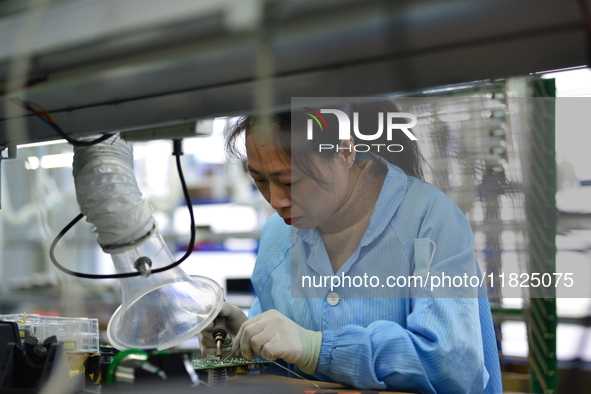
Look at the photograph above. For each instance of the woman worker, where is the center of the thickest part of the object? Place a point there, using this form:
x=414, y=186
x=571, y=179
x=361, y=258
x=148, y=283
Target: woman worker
x=345, y=214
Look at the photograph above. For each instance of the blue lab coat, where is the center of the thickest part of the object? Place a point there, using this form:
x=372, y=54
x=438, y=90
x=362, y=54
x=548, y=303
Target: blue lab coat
x=382, y=337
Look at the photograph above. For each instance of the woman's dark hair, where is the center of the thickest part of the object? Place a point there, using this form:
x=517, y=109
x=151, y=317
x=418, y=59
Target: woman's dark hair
x=290, y=134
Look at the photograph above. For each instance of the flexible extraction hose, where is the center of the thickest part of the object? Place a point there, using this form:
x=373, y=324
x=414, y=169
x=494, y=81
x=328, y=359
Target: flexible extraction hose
x=157, y=311
x=126, y=192
x=109, y=196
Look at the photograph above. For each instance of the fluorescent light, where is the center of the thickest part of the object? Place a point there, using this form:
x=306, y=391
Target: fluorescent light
x=57, y=161
x=34, y=144
x=241, y=244
x=49, y=161
x=220, y=218
x=32, y=163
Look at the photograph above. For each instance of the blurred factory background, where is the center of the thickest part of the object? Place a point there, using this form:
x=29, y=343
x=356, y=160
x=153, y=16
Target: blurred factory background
x=155, y=70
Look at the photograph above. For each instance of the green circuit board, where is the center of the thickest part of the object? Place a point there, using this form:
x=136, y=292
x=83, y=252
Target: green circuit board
x=226, y=362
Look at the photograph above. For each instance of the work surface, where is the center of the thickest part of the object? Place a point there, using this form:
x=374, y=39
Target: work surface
x=255, y=384
x=280, y=384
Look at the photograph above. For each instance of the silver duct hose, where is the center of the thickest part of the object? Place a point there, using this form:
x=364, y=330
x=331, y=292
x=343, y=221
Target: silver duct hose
x=157, y=311
x=109, y=196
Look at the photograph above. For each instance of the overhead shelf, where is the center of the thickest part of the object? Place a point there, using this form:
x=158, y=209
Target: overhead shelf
x=111, y=65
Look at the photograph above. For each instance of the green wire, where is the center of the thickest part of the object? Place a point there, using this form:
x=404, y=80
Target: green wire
x=112, y=368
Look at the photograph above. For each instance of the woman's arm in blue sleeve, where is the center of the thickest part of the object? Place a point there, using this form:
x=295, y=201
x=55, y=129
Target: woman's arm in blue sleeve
x=440, y=351
x=440, y=348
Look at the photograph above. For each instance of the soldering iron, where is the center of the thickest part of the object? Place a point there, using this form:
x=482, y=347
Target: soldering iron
x=219, y=335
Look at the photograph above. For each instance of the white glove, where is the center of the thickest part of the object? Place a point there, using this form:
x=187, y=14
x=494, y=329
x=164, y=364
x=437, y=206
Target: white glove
x=271, y=335
x=234, y=319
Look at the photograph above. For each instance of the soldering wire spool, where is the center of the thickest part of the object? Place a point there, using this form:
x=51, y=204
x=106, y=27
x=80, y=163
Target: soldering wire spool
x=164, y=307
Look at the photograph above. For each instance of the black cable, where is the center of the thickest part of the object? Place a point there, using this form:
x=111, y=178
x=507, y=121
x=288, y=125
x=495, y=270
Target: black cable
x=177, y=153
x=46, y=118
x=177, y=144
x=78, y=142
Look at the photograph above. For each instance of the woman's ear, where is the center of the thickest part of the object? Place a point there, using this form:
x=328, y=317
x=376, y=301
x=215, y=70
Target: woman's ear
x=346, y=152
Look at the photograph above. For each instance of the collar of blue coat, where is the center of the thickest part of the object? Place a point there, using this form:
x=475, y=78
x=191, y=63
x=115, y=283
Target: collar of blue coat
x=391, y=195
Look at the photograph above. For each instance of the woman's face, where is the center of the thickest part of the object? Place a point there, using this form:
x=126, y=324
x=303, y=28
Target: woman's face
x=296, y=197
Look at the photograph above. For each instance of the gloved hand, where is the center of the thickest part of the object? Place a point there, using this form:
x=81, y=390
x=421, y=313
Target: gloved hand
x=271, y=335
x=234, y=319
